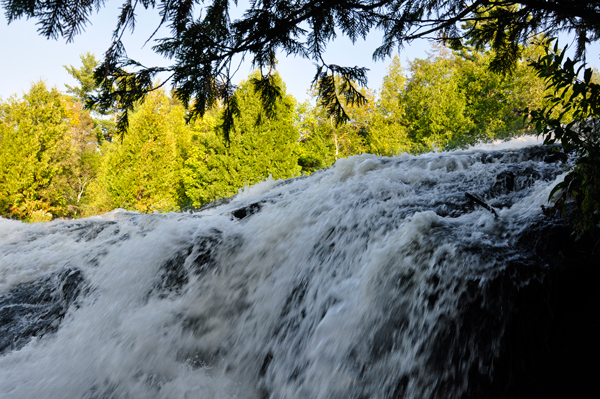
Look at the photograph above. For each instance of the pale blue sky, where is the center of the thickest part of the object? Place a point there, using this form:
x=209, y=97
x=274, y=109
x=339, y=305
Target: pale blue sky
x=27, y=57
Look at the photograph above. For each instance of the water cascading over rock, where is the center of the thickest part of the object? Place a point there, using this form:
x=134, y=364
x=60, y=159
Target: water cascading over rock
x=376, y=278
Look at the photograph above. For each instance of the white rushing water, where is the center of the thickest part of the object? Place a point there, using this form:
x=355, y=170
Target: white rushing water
x=349, y=283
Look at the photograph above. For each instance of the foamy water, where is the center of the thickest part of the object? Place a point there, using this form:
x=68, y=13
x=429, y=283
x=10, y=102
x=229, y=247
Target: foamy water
x=349, y=283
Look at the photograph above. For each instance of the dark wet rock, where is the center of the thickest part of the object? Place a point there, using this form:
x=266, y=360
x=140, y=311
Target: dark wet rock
x=215, y=203
x=544, y=312
x=96, y=229
x=173, y=275
x=198, y=258
x=246, y=211
x=36, y=308
x=399, y=390
x=528, y=329
x=505, y=183
x=205, y=250
x=543, y=152
x=265, y=364
x=557, y=156
x=82, y=230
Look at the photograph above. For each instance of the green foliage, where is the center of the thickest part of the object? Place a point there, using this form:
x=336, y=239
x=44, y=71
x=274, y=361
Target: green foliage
x=43, y=170
x=259, y=146
x=164, y=163
x=119, y=91
x=435, y=104
x=88, y=88
x=336, y=90
x=85, y=76
x=316, y=148
x=388, y=127
x=498, y=27
x=143, y=171
x=84, y=159
x=323, y=140
x=495, y=101
x=573, y=92
x=449, y=100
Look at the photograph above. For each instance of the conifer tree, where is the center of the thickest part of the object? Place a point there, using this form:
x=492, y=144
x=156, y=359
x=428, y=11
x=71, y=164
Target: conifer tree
x=35, y=154
x=105, y=119
x=259, y=146
x=84, y=159
x=85, y=76
x=496, y=102
x=142, y=171
x=388, y=133
x=324, y=141
x=435, y=104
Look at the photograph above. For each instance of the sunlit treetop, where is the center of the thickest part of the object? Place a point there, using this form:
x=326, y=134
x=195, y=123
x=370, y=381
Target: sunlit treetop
x=204, y=41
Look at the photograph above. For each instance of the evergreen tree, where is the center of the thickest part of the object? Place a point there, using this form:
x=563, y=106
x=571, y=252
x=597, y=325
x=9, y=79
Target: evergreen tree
x=35, y=154
x=85, y=76
x=104, y=127
x=435, y=104
x=317, y=147
x=388, y=134
x=324, y=141
x=495, y=101
x=260, y=146
x=84, y=159
x=143, y=171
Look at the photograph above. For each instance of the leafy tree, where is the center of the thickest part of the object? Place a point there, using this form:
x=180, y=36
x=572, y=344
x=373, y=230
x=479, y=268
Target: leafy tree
x=204, y=41
x=324, y=141
x=575, y=92
x=143, y=171
x=35, y=154
x=388, y=129
x=495, y=101
x=260, y=146
x=87, y=89
x=435, y=104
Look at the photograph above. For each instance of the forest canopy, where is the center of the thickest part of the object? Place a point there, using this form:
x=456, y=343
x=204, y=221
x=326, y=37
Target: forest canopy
x=58, y=159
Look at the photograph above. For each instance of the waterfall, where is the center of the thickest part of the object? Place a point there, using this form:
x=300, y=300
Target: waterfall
x=375, y=278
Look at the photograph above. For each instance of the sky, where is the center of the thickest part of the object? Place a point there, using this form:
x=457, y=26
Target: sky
x=26, y=57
